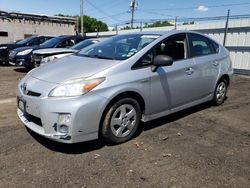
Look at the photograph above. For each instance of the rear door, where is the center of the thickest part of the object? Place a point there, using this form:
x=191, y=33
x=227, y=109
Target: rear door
x=206, y=59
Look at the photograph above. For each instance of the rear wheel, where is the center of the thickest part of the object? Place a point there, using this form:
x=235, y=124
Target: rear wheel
x=121, y=121
x=220, y=92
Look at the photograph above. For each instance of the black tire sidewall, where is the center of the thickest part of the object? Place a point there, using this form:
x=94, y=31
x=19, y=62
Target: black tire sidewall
x=107, y=134
x=215, y=100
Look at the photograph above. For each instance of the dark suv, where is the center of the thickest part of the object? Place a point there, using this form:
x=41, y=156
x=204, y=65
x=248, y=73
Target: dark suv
x=32, y=41
x=23, y=56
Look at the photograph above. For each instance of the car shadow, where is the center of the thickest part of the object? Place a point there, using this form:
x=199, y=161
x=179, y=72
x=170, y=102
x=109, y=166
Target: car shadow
x=78, y=148
x=174, y=117
x=84, y=147
x=22, y=70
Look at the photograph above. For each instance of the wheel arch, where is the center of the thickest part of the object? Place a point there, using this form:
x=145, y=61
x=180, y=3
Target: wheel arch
x=226, y=77
x=132, y=94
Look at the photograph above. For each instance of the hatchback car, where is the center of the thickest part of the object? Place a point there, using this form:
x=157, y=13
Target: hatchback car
x=23, y=56
x=48, y=55
x=106, y=89
x=32, y=41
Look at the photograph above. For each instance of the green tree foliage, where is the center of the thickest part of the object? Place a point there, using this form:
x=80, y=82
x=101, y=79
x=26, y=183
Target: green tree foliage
x=158, y=24
x=90, y=24
x=188, y=23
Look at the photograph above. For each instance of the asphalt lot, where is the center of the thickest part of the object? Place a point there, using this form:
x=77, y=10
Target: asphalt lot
x=204, y=146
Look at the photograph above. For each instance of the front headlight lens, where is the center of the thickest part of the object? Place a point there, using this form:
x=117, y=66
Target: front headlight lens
x=75, y=87
x=25, y=52
x=3, y=47
x=48, y=59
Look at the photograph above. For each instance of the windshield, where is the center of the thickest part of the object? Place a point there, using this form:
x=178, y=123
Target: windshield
x=119, y=47
x=52, y=42
x=83, y=44
x=25, y=41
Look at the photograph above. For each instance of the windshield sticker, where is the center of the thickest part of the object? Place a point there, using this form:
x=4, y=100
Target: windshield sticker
x=150, y=36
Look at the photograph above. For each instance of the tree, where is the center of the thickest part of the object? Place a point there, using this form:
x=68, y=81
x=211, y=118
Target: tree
x=188, y=23
x=158, y=24
x=90, y=24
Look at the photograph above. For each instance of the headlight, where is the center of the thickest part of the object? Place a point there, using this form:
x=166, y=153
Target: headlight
x=48, y=59
x=75, y=87
x=3, y=47
x=25, y=52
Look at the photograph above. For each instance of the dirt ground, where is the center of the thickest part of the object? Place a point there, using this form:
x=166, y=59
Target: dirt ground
x=204, y=146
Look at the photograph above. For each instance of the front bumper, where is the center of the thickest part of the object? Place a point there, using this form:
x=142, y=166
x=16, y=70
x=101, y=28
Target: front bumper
x=41, y=116
x=21, y=61
x=4, y=55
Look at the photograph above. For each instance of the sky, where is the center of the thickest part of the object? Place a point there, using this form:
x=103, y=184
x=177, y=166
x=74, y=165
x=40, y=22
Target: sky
x=146, y=9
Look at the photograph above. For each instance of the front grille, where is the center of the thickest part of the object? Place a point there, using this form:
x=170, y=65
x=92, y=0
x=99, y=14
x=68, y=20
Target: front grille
x=34, y=94
x=36, y=58
x=33, y=119
x=12, y=54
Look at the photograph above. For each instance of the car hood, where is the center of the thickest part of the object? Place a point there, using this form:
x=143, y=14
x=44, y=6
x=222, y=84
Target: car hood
x=53, y=51
x=26, y=48
x=71, y=67
x=10, y=46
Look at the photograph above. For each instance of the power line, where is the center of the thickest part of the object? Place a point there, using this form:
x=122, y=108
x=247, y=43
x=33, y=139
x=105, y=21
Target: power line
x=191, y=8
x=231, y=17
x=155, y=13
x=114, y=15
x=100, y=10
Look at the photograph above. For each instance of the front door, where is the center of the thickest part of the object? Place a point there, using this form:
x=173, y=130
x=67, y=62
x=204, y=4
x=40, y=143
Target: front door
x=175, y=85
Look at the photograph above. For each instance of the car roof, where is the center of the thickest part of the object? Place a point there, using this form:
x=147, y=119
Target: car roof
x=170, y=32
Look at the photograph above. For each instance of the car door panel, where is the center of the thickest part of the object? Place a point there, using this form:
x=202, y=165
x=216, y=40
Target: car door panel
x=172, y=86
x=206, y=63
x=207, y=69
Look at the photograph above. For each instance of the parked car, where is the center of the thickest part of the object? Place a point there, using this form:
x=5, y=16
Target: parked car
x=22, y=56
x=106, y=89
x=6, y=48
x=47, y=55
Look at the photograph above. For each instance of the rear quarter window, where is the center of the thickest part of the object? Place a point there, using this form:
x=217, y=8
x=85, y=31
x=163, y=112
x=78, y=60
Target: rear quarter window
x=201, y=46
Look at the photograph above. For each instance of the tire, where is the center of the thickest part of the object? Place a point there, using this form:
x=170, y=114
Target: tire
x=220, y=92
x=121, y=121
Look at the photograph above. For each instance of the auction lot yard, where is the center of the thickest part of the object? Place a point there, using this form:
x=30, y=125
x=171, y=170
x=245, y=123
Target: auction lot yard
x=204, y=146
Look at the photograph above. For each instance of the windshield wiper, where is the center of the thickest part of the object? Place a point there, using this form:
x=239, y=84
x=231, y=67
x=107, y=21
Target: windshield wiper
x=101, y=57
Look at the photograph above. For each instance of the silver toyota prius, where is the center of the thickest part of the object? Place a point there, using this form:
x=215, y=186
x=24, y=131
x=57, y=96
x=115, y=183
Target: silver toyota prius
x=107, y=89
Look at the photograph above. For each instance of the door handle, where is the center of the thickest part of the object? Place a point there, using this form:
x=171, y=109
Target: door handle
x=215, y=63
x=189, y=71
x=145, y=80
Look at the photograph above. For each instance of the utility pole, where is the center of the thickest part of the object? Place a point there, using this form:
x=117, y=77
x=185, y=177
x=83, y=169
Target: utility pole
x=175, y=23
x=133, y=6
x=81, y=15
x=226, y=28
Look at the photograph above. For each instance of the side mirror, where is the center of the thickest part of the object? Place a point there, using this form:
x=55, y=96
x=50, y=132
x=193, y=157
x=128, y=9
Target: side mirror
x=29, y=44
x=161, y=60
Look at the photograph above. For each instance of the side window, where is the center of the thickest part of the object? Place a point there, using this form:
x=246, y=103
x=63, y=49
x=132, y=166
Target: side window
x=35, y=42
x=215, y=46
x=200, y=46
x=41, y=40
x=66, y=44
x=174, y=47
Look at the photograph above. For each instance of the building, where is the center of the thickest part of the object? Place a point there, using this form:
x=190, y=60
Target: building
x=15, y=26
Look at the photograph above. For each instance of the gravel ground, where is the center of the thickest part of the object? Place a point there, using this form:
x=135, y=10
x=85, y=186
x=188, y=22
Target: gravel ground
x=204, y=146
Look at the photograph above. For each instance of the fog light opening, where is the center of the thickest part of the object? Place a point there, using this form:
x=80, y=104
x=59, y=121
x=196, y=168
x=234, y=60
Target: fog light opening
x=63, y=129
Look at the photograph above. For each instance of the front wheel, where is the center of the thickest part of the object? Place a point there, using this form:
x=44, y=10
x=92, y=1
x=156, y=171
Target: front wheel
x=121, y=121
x=220, y=92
